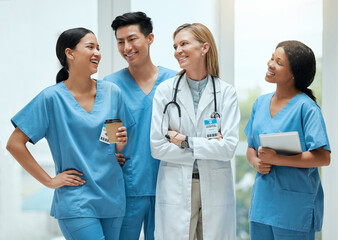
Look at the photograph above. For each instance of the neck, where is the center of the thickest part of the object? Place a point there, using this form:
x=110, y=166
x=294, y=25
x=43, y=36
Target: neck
x=197, y=72
x=286, y=92
x=197, y=75
x=79, y=82
x=143, y=73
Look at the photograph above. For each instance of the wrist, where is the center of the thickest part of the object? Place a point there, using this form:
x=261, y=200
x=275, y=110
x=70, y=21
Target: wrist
x=48, y=183
x=253, y=162
x=185, y=142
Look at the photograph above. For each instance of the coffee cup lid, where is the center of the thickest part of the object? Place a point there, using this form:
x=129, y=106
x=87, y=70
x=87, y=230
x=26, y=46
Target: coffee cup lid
x=112, y=120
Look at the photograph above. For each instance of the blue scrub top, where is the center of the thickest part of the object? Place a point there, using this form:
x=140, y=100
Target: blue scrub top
x=140, y=169
x=73, y=137
x=288, y=197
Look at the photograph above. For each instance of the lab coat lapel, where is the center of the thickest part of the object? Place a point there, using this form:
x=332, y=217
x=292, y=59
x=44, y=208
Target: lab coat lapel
x=184, y=98
x=206, y=98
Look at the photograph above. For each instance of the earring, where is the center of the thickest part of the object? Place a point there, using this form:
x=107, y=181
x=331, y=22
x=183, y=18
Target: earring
x=202, y=54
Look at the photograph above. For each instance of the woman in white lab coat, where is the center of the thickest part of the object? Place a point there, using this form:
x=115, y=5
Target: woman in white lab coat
x=195, y=189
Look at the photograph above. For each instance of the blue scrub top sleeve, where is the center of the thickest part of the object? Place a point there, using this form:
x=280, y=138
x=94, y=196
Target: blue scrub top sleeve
x=314, y=128
x=33, y=118
x=248, y=128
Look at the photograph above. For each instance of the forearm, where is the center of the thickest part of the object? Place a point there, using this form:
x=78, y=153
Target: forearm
x=251, y=156
x=222, y=150
x=309, y=159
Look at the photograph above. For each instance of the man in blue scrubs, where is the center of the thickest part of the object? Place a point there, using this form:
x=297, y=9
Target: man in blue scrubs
x=138, y=82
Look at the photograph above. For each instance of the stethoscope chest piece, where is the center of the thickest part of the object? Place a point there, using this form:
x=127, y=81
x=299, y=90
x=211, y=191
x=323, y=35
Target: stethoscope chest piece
x=215, y=115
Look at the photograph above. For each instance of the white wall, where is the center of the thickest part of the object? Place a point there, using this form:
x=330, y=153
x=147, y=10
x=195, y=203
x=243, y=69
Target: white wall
x=29, y=30
x=330, y=110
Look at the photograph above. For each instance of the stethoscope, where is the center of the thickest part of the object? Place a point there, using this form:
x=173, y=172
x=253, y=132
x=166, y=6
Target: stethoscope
x=215, y=114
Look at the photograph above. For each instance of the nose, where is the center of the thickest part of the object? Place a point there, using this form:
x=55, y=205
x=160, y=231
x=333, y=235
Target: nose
x=127, y=47
x=270, y=63
x=97, y=54
x=96, y=51
x=178, y=51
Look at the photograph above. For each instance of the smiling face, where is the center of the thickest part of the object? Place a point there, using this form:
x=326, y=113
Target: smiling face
x=86, y=55
x=133, y=45
x=189, y=53
x=279, y=70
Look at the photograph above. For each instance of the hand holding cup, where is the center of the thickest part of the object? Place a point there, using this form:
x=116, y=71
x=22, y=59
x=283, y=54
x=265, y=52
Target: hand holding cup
x=121, y=135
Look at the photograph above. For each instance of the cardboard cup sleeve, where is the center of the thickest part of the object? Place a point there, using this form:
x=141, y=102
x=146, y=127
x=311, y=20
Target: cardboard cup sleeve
x=111, y=126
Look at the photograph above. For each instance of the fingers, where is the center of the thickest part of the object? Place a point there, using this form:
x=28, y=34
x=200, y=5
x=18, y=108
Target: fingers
x=121, y=161
x=122, y=135
x=120, y=158
x=261, y=167
x=73, y=180
x=121, y=129
x=73, y=172
x=119, y=155
x=67, y=178
x=264, y=168
x=220, y=136
x=172, y=133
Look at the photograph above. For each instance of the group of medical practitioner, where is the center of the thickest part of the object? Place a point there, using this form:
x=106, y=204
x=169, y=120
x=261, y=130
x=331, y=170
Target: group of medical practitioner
x=172, y=173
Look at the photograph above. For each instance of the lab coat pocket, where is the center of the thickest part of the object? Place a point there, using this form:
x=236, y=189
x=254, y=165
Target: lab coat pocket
x=169, y=184
x=222, y=187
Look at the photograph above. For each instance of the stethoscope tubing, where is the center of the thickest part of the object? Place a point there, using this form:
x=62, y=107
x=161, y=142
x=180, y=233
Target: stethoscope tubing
x=215, y=114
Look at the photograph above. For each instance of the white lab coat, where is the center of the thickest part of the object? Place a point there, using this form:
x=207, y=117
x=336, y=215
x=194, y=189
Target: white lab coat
x=173, y=194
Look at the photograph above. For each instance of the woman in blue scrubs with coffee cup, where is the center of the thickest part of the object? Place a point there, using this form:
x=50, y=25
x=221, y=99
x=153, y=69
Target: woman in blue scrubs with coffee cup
x=287, y=196
x=89, y=196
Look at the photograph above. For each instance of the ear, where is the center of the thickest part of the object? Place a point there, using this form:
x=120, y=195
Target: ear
x=205, y=47
x=150, y=38
x=69, y=53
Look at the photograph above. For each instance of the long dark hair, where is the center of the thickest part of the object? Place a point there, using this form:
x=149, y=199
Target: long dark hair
x=303, y=64
x=68, y=39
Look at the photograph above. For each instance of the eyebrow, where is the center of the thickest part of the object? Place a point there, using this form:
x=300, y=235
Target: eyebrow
x=184, y=40
x=131, y=35
x=91, y=43
x=277, y=57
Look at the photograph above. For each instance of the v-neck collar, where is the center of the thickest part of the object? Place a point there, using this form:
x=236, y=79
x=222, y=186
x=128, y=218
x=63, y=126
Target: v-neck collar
x=136, y=86
x=76, y=103
x=284, y=108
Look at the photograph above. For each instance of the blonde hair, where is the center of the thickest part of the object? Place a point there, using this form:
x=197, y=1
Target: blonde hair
x=202, y=34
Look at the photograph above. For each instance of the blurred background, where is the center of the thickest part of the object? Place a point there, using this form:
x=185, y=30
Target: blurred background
x=246, y=33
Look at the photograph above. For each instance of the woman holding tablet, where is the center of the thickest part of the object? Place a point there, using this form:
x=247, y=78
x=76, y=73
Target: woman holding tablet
x=287, y=197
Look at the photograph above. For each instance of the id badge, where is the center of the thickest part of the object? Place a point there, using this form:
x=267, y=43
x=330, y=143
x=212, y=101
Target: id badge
x=104, y=137
x=211, y=129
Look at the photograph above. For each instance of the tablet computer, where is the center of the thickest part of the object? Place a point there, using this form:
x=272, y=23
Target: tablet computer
x=283, y=143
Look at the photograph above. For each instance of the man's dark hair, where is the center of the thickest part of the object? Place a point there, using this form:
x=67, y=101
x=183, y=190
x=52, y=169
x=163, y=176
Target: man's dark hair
x=131, y=18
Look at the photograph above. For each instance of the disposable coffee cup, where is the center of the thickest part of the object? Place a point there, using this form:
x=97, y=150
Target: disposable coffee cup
x=111, y=126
